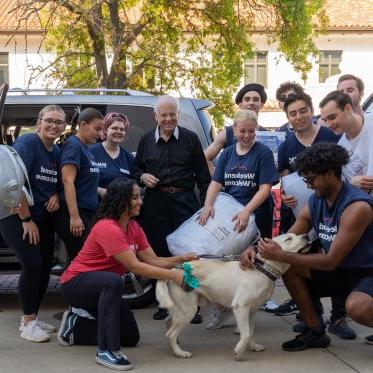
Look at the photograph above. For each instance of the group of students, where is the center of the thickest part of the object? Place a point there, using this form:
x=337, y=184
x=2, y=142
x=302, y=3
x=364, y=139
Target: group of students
x=103, y=241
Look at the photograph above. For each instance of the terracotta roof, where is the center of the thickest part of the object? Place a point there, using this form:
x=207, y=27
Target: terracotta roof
x=343, y=15
x=9, y=19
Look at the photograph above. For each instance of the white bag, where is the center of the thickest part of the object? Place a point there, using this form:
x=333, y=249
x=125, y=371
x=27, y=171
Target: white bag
x=217, y=236
x=13, y=175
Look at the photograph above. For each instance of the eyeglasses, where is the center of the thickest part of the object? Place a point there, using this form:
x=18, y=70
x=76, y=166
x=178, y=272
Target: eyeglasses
x=57, y=122
x=283, y=97
x=310, y=179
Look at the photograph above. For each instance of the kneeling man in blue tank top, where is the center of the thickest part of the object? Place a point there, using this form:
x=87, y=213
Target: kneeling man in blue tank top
x=342, y=216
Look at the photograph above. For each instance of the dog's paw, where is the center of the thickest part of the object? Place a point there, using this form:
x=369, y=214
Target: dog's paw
x=256, y=347
x=184, y=354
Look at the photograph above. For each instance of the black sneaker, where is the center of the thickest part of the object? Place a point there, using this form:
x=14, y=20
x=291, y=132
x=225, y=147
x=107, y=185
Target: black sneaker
x=369, y=339
x=341, y=329
x=113, y=360
x=65, y=332
x=197, y=319
x=286, y=308
x=306, y=340
x=161, y=314
x=301, y=327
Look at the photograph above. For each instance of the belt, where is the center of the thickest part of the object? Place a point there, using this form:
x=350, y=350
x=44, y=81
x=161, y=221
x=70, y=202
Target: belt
x=172, y=189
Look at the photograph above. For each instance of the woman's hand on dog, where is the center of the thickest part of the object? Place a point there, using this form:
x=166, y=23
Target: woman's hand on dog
x=189, y=257
x=178, y=276
x=269, y=249
x=247, y=259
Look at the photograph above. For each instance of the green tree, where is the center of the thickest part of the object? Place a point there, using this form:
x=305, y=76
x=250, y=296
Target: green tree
x=162, y=45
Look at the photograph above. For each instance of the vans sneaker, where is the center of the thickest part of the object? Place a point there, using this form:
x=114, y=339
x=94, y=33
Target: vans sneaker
x=32, y=332
x=43, y=325
x=65, y=332
x=219, y=317
x=113, y=360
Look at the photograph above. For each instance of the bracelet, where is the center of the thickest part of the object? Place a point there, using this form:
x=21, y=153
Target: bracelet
x=26, y=220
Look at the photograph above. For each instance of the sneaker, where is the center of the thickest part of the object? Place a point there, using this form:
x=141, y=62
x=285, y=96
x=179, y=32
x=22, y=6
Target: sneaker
x=32, y=332
x=301, y=327
x=307, y=340
x=113, y=360
x=43, y=325
x=270, y=306
x=219, y=317
x=161, y=314
x=197, y=319
x=341, y=329
x=65, y=332
x=369, y=339
x=286, y=308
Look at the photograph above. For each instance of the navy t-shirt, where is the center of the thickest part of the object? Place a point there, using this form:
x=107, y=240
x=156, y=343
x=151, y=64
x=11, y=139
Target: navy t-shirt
x=241, y=175
x=326, y=222
x=110, y=169
x=230, y=138
x=42, y=169
x=291, y=147
x=74, y=152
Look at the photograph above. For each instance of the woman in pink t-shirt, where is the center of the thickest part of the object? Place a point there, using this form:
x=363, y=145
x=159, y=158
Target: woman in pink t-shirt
x=93, y=281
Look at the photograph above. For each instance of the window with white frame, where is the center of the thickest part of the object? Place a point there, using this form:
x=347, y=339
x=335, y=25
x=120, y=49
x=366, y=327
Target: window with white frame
x=255, y=69
x=4, y=68
x=329, y=64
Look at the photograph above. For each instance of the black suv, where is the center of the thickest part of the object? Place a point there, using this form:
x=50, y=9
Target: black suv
x=22, y=108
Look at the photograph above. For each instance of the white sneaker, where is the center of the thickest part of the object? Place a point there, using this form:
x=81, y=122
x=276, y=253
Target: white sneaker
x=269, y=306
x=219, y=317
x=32, y=332
x=42, y=324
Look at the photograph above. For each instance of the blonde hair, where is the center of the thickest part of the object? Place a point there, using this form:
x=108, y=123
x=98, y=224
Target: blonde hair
x=244, y=114
x=49, y=108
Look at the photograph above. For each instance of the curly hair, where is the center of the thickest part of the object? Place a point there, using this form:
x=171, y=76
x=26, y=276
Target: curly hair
x=288, y=86
x=116, y=200
x=321, y=158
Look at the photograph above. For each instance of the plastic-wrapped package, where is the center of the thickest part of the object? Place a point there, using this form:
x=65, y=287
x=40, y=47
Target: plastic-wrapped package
x=217, y=236
x=13, y=176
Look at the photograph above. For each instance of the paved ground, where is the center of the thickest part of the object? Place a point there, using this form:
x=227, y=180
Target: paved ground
x=212, y=350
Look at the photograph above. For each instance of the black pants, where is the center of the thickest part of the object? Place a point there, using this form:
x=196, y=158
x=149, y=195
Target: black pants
x=72, y=243
x=100, y=293
x=36, y=260
x=164, y=212
x=287, y=218
x=264, y=221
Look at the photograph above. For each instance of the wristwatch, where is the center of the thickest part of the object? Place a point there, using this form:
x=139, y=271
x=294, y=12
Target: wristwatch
x=26, y=220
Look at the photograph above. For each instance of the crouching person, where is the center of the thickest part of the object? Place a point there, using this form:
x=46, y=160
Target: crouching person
x=342, y=216
x=93, y=282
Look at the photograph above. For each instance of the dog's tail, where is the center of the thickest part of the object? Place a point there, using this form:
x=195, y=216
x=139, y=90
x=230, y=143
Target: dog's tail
x=163, y=294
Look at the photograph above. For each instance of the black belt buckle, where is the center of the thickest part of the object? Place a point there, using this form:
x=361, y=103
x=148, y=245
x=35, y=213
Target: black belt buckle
x=172, y=189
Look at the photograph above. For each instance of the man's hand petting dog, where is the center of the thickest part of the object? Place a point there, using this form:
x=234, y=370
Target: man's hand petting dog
x=247, y=258
x=270, y=250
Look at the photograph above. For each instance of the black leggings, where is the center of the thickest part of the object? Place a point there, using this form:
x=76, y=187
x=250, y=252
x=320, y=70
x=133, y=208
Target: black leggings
x=35, y=260
x=264, y=221
x=100, y=293
x=72, y=243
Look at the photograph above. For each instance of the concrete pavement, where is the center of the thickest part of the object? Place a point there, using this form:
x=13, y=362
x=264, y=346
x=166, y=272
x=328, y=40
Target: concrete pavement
x=212, y=350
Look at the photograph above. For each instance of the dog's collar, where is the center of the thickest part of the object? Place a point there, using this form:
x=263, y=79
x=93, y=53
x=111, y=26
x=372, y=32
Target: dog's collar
x=272, y=273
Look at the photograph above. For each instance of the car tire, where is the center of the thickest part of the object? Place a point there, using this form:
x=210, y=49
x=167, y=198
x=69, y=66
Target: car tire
x=138, y=291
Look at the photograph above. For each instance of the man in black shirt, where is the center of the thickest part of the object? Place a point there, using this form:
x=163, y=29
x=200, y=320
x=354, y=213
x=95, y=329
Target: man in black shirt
x=169, y=162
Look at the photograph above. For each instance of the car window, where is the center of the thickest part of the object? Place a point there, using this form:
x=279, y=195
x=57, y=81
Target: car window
x=141, y=120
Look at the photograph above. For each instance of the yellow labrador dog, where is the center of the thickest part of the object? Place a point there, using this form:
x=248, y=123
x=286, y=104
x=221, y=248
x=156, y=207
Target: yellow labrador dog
x=227, y=284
